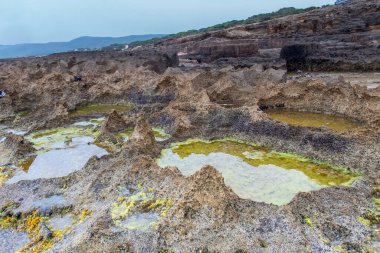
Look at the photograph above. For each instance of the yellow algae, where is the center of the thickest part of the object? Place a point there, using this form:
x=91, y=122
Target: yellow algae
x=255, y=172
x=100, y=109
x=26, y=163
x=313, y=119
x=47, y=138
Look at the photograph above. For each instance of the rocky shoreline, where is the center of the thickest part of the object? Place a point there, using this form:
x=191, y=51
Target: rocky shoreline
x=123, y=201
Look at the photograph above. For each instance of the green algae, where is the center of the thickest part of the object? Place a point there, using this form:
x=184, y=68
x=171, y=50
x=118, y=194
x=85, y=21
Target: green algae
x=46, y=139
x=313, y=119
x=255, y=172
x=322, y=172
x=364, y=221
x=100, y=109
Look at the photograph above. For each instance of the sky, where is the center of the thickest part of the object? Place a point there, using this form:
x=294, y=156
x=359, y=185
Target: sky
x=38, y=21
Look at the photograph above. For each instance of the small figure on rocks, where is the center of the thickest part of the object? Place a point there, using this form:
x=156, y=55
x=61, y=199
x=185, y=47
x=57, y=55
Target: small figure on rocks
x=2, y=93
x=77, y=78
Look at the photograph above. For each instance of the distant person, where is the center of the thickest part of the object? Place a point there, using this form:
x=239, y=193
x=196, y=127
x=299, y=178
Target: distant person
x=2, y=94
x=77, y=78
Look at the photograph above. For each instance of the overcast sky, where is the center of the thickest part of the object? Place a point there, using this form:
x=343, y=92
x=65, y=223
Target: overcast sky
x=24, y=21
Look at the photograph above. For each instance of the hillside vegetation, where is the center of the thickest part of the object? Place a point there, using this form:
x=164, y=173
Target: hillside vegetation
x=253, y=19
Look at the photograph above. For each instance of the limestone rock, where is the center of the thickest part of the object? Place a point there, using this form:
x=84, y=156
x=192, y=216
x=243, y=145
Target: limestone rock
x=114, y=123
x=18, y=146
x=142, y=138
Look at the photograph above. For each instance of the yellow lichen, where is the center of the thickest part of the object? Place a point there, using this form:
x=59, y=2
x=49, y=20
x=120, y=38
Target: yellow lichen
x=364, y=221
x=84, y=214
x=8, y=222
x=308, y=221
x=32, y=224
x=140, y=202
x=163, y=204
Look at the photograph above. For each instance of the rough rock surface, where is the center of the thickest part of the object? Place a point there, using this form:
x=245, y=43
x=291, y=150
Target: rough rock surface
x=18, y=146
x=114, y=123
x=198, y=213
x=142, y=139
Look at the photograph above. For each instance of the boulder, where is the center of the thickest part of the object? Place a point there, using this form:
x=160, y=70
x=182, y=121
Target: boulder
x=142, y=139
x=18, y=146
x=114, y=123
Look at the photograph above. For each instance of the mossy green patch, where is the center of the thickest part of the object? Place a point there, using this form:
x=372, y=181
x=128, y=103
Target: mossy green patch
x=377, y=202
x=313, y=119
x=94, y=109
x=22, y=114
x=364, y=221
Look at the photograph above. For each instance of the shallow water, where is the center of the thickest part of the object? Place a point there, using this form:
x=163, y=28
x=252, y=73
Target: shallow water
x=61, y=223
x=43, y=205
x=254, y=172
x=11, y=240
x=62, y=160
x=94, y=109
x=313, y=119
x=141, y=221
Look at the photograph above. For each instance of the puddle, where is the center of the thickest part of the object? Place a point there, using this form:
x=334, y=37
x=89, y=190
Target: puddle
x=12, y=240
x=14, y=131
x=255, y=172
x=313, y=119
x=61, y=151
x=141, y=222
x=63, y=159
x=61, y=223
x=95, y=109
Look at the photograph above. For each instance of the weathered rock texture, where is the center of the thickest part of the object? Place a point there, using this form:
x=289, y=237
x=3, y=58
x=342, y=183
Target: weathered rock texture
x=204, y=215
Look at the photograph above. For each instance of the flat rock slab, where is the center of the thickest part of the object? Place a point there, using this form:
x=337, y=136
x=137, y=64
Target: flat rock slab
x=43, y=205
x=11, y=240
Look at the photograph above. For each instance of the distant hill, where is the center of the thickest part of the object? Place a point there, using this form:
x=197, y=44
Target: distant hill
x=82, y=43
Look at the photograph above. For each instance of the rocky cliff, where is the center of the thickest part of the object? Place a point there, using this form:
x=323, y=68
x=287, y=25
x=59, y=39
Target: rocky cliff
x=342, y=37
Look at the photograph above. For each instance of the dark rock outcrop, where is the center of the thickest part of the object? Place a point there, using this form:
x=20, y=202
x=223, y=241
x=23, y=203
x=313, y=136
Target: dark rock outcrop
x=341, y=37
